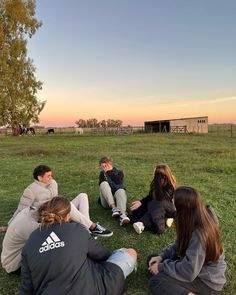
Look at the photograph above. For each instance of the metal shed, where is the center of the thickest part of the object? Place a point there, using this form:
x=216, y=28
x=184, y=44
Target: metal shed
x=181, y=125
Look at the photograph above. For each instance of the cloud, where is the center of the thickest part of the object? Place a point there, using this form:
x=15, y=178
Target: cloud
x=195, y=102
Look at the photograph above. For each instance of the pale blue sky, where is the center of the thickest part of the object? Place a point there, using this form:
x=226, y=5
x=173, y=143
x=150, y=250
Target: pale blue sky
x=136, y=60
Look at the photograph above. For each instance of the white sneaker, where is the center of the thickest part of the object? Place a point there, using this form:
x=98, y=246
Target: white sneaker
x=169, y=222
x=115, y=212
x=124, y=219
x=138, y=227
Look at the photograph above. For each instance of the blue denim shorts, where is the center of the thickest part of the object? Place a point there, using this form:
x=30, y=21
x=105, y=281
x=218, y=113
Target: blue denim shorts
x=125, y=261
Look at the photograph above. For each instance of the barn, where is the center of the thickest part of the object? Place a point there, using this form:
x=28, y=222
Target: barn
x=182, y=125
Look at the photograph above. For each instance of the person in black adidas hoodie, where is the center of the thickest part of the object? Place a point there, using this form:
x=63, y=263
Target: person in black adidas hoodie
x=62, y=258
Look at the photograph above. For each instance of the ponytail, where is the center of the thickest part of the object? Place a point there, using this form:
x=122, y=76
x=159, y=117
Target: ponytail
x=54, y=211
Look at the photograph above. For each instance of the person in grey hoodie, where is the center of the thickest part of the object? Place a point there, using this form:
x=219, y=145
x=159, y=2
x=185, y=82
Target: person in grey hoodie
x=44, y=188
x=195, y=263
x=18, y=232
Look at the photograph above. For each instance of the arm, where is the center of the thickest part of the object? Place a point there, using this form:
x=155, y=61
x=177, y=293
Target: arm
x=168, y=253
x=118, y=176
x=102, y=177
x=54, y=186
x=187, y=268
x=147, y=199
x=26, y=286
x=135, y=205
x=96, y=251
x=26, y=200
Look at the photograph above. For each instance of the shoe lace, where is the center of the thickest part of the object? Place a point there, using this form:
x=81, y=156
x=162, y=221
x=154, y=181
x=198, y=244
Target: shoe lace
x=100, y=228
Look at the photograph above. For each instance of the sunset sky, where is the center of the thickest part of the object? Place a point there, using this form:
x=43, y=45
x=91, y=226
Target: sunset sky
x=135, y=60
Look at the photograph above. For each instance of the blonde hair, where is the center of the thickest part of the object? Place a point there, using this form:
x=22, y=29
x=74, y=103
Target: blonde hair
x=53, y=211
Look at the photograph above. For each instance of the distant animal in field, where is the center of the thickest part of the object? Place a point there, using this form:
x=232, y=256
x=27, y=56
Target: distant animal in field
x=30, y=130
x=26, y=130
x=79, y=130
x=50, y=131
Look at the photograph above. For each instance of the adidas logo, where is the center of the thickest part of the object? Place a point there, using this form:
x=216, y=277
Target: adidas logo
x=52, y=242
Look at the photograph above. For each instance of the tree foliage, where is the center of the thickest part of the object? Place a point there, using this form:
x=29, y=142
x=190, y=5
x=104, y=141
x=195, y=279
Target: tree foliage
x=93, y=123
x=18, y=84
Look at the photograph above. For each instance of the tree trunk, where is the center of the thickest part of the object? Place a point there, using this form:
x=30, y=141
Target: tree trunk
x=15, y=130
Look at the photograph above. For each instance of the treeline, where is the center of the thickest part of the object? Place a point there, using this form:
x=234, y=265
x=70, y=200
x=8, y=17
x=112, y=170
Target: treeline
x=94, y=123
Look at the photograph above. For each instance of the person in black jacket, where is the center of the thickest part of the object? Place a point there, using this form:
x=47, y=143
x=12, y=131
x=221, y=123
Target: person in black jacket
x=156, y=210
x=112, y=190
x=62, y=258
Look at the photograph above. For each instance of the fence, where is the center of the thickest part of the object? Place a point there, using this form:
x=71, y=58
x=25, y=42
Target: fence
x=124, y=130
x=228, y=130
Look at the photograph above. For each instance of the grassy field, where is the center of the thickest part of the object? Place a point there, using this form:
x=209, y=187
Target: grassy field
x=204, y=161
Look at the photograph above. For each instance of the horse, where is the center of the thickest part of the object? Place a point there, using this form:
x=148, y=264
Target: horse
x=79, y=130
x=26, y=130
x=50, y=130
x=30, y=130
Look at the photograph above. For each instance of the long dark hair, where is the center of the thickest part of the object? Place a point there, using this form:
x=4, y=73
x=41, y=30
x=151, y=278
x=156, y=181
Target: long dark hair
x=163, y=184
x=192, y=214
x=54, y=211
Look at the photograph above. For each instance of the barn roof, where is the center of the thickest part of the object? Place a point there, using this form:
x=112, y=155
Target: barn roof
x=166, y=120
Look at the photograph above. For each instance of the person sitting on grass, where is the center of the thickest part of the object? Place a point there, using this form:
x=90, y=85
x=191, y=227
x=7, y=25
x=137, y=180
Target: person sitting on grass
x=44, y=188
x=195, y=263
x=18, y=232
x=112, y=190
x=156, y=210
x=62, y=258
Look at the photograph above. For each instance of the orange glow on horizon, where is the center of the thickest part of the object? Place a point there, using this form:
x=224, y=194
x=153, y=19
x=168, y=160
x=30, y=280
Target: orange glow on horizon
x=218, y=110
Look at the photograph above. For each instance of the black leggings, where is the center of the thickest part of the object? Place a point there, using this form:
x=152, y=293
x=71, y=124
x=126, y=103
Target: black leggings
x=156, y=215
x=162, y=284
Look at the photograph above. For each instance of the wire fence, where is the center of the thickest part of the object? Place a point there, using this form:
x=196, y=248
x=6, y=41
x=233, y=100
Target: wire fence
x=228, y=130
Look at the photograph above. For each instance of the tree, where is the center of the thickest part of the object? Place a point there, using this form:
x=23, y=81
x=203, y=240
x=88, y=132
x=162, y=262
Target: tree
x=92, y=123
x=18, y=84
x=81, y=123
x=114, y=123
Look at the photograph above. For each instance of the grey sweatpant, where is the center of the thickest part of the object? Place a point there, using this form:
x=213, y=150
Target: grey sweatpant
x=80, y=210
x=107, y=198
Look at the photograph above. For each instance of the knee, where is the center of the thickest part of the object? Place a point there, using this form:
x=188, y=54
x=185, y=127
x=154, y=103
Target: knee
x=83, y=196
x=104, y=186
x=131, y=252
x=121, y=193
x=80, y=198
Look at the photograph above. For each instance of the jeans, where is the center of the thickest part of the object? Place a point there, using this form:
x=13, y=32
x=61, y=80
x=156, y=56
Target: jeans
x=125, y=261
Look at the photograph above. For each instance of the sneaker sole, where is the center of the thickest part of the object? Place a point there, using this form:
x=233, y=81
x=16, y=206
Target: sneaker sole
x=103, y=235
x=115, y=215
x=169, y=222
x=137, y=229
x=124, y=222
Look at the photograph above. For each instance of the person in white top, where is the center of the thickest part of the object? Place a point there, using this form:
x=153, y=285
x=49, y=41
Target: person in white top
x=18, y=232
x=44, y=188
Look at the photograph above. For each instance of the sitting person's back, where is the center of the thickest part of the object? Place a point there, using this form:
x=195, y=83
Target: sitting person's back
x=63, y=258
x=18, y=232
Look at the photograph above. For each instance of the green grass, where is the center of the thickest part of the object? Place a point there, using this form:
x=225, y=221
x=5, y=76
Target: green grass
x=204, y=161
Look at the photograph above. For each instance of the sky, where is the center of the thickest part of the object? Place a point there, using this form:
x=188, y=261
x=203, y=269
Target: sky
x=135, y=60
